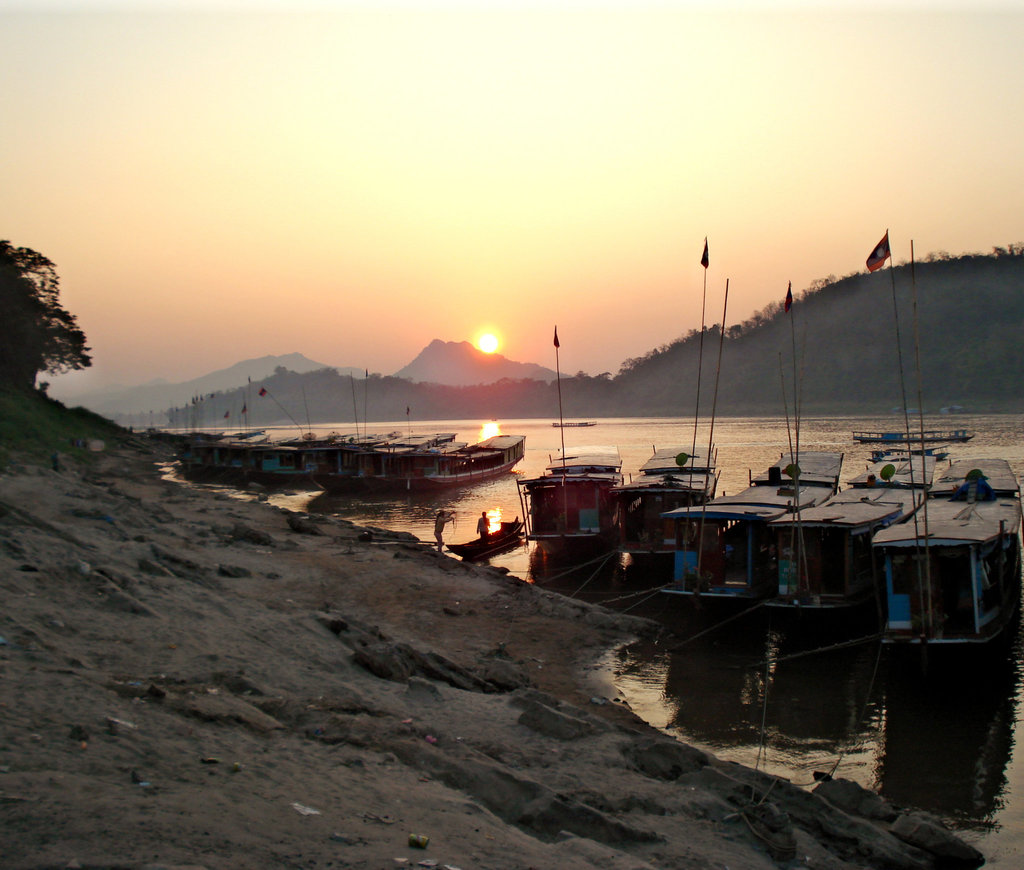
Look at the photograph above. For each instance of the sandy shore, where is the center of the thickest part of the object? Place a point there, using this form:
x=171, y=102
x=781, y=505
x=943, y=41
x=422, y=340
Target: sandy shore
x=193, y=680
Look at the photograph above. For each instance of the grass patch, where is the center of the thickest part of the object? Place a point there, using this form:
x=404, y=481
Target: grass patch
x=35, y=427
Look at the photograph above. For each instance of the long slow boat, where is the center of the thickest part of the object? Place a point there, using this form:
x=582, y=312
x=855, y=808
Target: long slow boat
x=672, y=478
x=349, y=463
x=930, y=436
x=726, y=548
x=953, y=575
x=826, y=561
x=569, y=509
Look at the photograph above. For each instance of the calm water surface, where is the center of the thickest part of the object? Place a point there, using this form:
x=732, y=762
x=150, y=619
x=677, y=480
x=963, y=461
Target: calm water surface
x=945, y=745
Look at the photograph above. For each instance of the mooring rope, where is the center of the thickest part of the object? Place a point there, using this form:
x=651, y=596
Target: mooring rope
x=586, y=582
x=717, y=625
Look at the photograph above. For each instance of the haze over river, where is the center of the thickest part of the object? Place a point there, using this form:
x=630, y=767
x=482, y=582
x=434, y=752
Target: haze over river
x=945, y=744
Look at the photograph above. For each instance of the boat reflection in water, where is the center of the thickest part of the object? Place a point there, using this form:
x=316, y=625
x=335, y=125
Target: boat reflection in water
x=849, y=712
x=957, y=766
x=713, y=695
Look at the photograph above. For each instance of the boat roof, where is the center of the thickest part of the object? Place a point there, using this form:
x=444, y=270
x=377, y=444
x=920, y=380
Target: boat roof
x=500, y=442
x=682, y=480
x=582, y=458
x=817, y=468
x=910, y=471
x=757, y=502
x=855, y=509
x=953, y=523
x=998, y=475
x=663, y=461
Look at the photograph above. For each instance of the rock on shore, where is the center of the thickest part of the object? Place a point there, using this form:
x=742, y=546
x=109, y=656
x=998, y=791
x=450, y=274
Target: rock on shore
x=192, y=679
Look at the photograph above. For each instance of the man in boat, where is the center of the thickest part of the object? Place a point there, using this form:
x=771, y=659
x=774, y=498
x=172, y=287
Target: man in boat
x=483, y=526
x=440, y=520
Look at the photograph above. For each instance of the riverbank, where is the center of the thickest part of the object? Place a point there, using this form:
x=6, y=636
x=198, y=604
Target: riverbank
x=190, y=679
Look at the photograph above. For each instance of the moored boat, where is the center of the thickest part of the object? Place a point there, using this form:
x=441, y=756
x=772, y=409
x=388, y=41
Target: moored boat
x=726, y=549
x=953, y=575
x=672, y=478
x=569, y=509
x=353, y=463
x=505, y=537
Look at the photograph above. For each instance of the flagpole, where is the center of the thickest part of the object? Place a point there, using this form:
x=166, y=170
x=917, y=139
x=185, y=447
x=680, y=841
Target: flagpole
x=366, y=392
x=561, y=432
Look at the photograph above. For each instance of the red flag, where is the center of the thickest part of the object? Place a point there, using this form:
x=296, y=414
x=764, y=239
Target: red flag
x=227, y=414
x=704, y=259
x=245, y=409
x=789, y=297
x=263, y=391
x=879, y=255
x=556, y=338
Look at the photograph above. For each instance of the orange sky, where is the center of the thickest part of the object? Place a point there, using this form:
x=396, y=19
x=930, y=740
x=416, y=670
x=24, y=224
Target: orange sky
x=227, y=180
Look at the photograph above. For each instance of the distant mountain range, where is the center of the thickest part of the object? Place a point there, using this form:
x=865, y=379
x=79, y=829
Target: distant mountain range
x=446, y=363
x=158, y=395
x=459, y=364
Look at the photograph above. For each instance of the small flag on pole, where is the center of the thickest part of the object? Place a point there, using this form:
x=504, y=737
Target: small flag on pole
x=789, y=297
x=263, y=391
x=227, y=414
x=245, y=409
x=704, y=258
x=556, y=338
x=879, y=255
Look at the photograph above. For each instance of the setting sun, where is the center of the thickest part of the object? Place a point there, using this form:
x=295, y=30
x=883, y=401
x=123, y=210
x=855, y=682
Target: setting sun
x=488, y=343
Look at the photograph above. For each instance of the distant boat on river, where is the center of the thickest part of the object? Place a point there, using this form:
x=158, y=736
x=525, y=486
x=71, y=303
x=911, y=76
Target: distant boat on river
x=575, y=425
x=930, y=436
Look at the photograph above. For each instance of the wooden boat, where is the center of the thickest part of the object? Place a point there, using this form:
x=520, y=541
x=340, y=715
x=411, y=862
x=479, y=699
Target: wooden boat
x=670, y=479
x=577, y=425
x=726, y=548
x=882, y=453
x=348, y=463
x=569, y=509
x=508, y=535
x=931, y=436
x=953, y=575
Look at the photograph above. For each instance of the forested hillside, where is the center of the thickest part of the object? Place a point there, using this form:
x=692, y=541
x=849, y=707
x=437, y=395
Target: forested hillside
x=970, y=315
x=970, y=322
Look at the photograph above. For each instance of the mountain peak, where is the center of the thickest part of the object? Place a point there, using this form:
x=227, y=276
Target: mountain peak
x=460, y=364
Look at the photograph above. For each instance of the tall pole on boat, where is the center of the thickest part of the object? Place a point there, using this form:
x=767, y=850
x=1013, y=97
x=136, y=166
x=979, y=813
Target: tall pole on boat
x=876, y=260
x=366, y=394
x=711, y=428
x=704, y=261
x=920, y=417
x=561, y=432
x=797, y=549
x=355, y=407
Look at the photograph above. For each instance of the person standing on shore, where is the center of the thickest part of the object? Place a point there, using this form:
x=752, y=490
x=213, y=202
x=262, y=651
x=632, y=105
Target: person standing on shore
x=440, y=520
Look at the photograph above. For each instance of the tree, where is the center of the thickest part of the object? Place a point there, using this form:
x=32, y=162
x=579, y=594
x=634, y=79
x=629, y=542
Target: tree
x=36, y=333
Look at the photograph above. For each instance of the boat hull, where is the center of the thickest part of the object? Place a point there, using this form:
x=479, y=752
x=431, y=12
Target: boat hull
x=510, y=535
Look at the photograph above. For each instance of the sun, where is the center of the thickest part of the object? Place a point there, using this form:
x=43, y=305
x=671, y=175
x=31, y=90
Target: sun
x=487, y=342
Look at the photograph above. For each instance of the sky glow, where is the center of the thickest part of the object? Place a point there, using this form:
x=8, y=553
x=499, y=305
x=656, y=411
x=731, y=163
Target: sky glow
x=217, y=182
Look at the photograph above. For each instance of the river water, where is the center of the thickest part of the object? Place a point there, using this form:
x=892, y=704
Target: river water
x=944, y=744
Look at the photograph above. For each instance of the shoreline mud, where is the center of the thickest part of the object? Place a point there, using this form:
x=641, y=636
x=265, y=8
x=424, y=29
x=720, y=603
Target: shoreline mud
x=192, y=680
